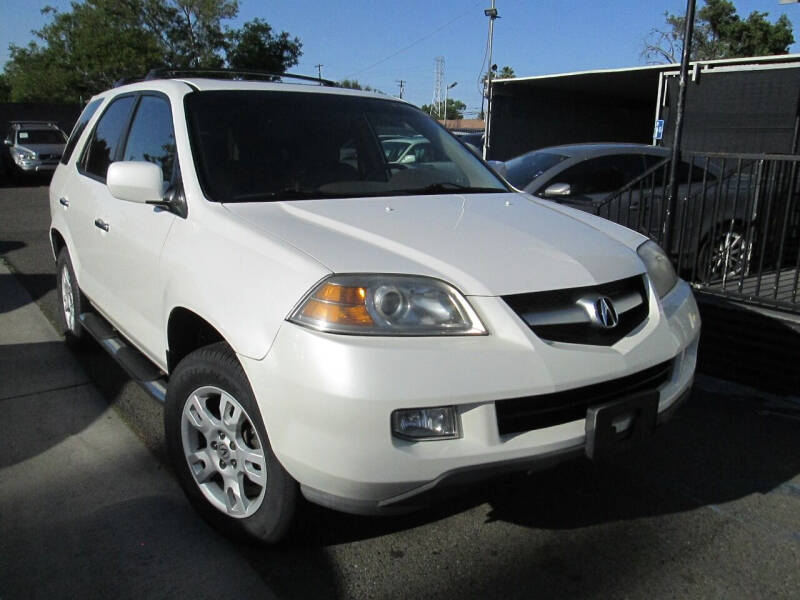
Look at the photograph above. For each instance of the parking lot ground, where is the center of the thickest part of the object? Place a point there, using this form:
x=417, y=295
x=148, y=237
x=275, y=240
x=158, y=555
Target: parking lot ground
x=708, y=508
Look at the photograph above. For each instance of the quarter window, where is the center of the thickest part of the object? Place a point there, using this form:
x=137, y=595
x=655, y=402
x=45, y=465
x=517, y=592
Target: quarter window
x=102, y=149
x=86, y=115
x=152, y=137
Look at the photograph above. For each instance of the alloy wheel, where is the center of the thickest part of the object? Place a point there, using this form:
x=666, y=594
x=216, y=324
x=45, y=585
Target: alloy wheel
x=67, y=301
x=223, y=451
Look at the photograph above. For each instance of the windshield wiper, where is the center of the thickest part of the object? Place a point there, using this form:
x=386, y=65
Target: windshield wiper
x=449, y=187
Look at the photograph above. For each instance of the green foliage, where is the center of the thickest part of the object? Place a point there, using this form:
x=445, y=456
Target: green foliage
x=455, y=110
x=81, y=52
x=353, y=84
x=5, y=89
x=720, y=33
x=255, y=47
x=85, y=50
x=505, y=73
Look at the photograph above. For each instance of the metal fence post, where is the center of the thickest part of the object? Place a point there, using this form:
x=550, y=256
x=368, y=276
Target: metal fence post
x=672, y=199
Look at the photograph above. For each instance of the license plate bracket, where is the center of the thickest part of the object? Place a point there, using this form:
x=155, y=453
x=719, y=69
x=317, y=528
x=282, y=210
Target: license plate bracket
x=608, y=430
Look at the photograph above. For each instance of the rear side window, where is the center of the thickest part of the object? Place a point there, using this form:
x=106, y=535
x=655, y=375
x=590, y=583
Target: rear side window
x=602, y=175
x=86, y=115
x=152, y=137
x=102, y=149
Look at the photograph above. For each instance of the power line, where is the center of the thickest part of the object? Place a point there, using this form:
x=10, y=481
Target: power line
x=412, y=44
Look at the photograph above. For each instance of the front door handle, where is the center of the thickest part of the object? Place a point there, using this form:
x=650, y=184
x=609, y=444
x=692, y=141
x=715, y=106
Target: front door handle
x=101, y=224
x=63, y=202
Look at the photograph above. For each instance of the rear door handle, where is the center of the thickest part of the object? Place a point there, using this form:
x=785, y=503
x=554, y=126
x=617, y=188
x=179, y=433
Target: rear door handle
x=101, y=224
x=63, y=202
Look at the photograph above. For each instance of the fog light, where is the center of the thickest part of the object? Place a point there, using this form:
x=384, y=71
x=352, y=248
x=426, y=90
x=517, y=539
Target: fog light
x=438, y=423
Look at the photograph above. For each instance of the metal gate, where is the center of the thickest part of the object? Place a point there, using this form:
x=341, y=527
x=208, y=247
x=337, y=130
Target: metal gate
x=736, y=224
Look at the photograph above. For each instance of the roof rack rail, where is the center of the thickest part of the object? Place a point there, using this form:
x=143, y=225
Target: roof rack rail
x=240, y=74
x=126, y=80
x=32, y=122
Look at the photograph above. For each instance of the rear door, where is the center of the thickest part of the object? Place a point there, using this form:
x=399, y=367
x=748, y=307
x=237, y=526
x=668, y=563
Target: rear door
x=85, y=194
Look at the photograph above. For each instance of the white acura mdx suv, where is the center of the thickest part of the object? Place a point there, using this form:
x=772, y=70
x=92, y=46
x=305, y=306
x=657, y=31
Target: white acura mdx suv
x=319, y=319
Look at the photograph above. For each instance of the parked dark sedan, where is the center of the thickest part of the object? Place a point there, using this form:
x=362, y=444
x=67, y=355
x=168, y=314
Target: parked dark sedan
x=589, y=177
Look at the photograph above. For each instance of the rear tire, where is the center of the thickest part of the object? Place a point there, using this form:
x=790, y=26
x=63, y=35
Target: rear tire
x=220, y=451
x=726, y=254
x=71, y=300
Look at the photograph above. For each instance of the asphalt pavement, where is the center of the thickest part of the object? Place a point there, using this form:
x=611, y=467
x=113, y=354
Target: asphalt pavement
x=709, y=508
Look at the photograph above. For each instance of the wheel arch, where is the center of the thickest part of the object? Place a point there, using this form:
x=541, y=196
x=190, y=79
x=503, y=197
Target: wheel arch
x=57, y=242
x=186, y=332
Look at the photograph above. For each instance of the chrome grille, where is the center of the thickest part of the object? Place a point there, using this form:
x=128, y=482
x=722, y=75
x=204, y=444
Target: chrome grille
x=566, y=315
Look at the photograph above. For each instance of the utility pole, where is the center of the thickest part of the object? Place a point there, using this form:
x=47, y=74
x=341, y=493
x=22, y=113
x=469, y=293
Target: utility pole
x=447, y=89
x=438, y=83
x=402, y=84
x=672, y=200
x=319, y=71
x=492, y=14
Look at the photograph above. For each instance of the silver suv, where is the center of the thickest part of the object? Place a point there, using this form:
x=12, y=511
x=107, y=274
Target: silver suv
x=34, y=146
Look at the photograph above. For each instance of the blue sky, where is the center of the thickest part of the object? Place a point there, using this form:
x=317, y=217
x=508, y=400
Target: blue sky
x=378, y=42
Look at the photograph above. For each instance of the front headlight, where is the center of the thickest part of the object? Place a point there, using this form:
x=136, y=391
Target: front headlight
x=387, y=305
x=659, y=267
x=23, y=154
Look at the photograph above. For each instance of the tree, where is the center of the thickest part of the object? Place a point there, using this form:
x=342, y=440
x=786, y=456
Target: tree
x=719, y=33
x=191, y=30
x=85, y=50
x=255, y=47
x=82, y=52
x=5, y=89
x=455, y=110
x=505, y=73
x=353, y=84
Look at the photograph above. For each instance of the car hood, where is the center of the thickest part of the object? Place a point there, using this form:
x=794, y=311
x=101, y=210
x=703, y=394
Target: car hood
x=484, y=244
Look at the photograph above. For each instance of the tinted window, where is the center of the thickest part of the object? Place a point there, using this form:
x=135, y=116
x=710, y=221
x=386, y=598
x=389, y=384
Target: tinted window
x=152, y=137
x=521, y=171
x=602, y=175
x=40, y=136
x=87, y=114
x=261, y=146
x=102, y=149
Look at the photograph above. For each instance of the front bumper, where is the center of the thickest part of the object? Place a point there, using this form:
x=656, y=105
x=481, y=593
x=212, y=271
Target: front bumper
x=35, y=166
x=327, y=399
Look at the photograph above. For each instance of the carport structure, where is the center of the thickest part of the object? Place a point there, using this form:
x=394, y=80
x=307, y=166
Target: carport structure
x=623, y=105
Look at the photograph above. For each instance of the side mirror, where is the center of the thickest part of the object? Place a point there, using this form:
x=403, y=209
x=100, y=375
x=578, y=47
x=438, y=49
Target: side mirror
x=135, y=181
x=8, y=142
x=499, y=166
x=557, y=190
x=408, y=158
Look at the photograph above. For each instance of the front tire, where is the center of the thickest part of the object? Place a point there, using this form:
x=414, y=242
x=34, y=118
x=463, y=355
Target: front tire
x=71, y=301
x=219, y=448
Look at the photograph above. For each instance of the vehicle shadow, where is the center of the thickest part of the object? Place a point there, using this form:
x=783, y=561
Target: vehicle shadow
x=11, y=180
x=716, y=450
x=36, y=286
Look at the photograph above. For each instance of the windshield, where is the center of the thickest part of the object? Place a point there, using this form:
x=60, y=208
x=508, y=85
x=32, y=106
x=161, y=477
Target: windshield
x=40, y=136
x=521, y=171
x=254, y=146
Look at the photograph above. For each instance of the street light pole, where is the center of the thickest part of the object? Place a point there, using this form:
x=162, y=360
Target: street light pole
x=448, y=88
x=492, y=14
x=672, y=200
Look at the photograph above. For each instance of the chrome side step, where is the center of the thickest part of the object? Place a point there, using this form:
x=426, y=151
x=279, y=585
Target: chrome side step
x=136, y=364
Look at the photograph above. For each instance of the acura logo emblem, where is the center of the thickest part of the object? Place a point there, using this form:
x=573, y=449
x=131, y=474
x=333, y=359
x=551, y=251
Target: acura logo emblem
x=605, y=313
